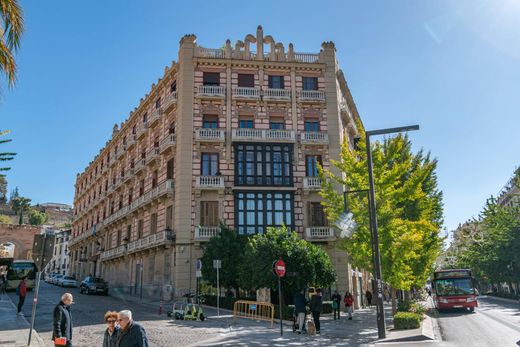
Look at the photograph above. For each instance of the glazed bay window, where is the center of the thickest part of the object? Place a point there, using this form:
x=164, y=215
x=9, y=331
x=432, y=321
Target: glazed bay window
x=255, y=211
x=310, y=83
x=311, y=165
x=209, y=164
x=263, y=165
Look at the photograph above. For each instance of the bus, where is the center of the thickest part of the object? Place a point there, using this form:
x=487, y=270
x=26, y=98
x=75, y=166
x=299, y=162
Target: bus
x=454, y=288
x=19, y=269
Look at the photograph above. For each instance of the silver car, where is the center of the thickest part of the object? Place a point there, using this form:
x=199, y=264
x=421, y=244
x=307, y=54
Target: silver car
x=68, y=281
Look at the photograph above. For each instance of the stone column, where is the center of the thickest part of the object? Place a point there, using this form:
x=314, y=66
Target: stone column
x=183, y=176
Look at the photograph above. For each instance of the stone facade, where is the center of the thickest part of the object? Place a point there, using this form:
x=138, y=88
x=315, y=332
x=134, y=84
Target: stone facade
x=21, y=236
x=156, y=192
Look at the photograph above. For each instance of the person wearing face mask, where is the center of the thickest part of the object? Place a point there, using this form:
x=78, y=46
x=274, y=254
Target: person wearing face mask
x=112, y=331
x=62, y=322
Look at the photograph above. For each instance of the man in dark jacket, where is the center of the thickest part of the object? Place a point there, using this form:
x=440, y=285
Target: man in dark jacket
x=131, y=334
x=62, y=320
x=299, y=309
x=336, y=302
x=316, y=308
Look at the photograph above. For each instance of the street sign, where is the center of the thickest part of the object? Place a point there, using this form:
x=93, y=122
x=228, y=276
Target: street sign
x=217, y=264
x=42, y=250
x=198, y=274
x=279, y=268
x=252, y=307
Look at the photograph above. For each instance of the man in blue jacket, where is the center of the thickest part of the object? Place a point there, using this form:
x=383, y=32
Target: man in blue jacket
x=300, y=309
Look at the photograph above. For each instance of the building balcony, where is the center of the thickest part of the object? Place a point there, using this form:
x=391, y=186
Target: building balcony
x=267, y=135
x=122, y=212
x=246, y=93
x=142, y=131
x=167, y=143
x=312, y=96
x=130, y=142
x=170, y=100
x=210, y=134
x=129, y=174
x=319, y=233
x=277, y=94
x=120, y=153
x=113, y=161
x=314, y=138
x=312, y=183
x=152, y=155
x=155, y=118
x=139, y=165
x=83, y=236
x=217, y=92
x=209, y=182
x=206, y=233
x=163, y=238
x=163, y=189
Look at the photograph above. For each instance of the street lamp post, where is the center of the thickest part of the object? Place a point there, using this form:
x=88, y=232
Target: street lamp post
x=372, y=207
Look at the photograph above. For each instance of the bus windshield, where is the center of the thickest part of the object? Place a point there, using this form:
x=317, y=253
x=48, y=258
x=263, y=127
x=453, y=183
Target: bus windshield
x=19, y=270
x=454, y=286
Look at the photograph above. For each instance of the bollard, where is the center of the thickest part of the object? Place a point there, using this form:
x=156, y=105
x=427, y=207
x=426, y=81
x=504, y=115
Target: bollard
x=160, y=308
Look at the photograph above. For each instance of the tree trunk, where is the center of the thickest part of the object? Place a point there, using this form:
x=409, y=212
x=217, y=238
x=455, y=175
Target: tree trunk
x=20, y=221
x=394, y=300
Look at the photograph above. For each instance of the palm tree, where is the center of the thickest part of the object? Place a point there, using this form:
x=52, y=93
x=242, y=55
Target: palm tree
x=11, y=29
x=5, y=156
x=20, y=205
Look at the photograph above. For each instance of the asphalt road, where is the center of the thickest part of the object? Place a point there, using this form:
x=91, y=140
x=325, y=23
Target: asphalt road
x=495, y=323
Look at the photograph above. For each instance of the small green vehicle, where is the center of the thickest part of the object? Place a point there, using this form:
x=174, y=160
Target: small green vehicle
x=186, y=311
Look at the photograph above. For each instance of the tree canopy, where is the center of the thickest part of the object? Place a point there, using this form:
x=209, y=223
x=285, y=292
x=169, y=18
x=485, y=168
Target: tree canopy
x=37, y=218
x=409, y=208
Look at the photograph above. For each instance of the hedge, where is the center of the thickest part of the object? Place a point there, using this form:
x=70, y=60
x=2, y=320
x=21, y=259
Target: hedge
x=407, y=320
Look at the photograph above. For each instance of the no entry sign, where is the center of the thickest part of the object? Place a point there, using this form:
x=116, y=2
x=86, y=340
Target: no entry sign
x=279, y=268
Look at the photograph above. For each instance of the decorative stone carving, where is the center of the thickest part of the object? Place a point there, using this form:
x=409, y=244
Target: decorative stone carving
x=188, y=38
x=290, y=52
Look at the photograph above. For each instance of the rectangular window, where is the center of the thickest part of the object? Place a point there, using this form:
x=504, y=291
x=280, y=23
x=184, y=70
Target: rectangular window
x=211, y=78
x=141, y=187
x=317, y=216
x=210, y=121
x=119, y=240
x=173, y=86
x=153, y=223
x=167, y=268
x=246, y=123
x=130, y=195
x=312, y=125
x=246, y=80
x=255, y=211
x=169, y=217
x=311, y=165
x=145, y=117
x=263, y=165
x=276, y=123
x=209, y=165
x=155, y=176
x=129, y=232
x=310, y=83
x=209, y=213
x=275, y=82
x=140, y=227
x=151, y=267
x=169, y=169
x=158, y=103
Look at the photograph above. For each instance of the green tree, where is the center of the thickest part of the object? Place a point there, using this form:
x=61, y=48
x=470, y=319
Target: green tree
x=228, y=247
x=310, y=264
x=37, y=218
x=20, y=205
x=5, y=219
x=11, y=22
x=409, y=209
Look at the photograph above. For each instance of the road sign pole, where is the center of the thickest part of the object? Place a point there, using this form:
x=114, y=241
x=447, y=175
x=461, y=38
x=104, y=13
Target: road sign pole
x=280, y=303
x=37, y=290
x=218, y=294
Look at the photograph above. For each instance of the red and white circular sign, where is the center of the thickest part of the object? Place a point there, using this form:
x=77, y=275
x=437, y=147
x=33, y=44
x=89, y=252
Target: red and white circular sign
x=279, y=268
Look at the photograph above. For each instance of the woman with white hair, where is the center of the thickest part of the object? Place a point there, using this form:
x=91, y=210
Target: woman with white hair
x=62, y=322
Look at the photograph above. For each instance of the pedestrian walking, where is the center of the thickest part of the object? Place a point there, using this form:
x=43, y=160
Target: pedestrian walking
x=3, y=284
x=112, y=331
x=300, y=308
x=21, y=290
x=316, y=308
x=62, y=322
x=336, y=302
x=132, y=334
x=368, y=296
x=349, y=304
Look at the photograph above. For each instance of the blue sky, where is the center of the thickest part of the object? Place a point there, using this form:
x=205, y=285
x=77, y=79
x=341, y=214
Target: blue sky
x=451, y=66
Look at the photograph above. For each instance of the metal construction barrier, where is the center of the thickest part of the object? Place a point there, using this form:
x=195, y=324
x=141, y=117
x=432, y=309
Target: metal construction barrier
x=253, y=310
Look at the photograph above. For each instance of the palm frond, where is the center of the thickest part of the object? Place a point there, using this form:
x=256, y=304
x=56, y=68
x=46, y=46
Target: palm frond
x=12, y=16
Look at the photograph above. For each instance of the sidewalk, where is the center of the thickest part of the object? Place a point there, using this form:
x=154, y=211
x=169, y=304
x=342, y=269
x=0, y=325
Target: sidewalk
x=14, y=329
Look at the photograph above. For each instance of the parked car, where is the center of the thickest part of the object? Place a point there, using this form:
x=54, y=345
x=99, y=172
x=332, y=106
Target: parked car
x=68, y=281
x=56, y=279
x=93, y=285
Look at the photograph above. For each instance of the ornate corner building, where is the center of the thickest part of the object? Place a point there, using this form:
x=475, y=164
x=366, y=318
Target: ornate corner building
x=231, y=134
